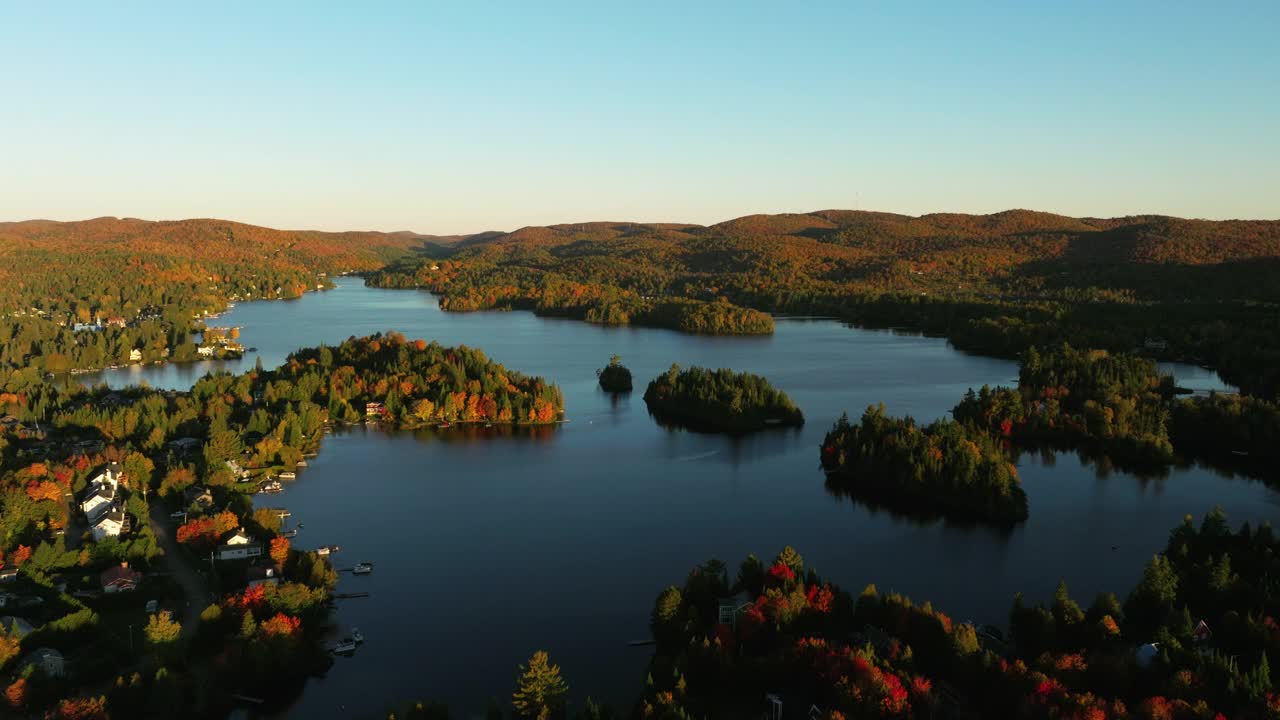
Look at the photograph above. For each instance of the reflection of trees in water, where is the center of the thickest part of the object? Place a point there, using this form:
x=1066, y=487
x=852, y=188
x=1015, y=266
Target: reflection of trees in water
x=474, y=432
x=461, y=433
x=732, y=449
x=914, y=512
x=1102, y=464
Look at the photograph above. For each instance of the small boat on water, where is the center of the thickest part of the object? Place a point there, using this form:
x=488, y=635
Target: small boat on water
x=292, y=533
x=444, y=425
x=288, y=476
x=345, y=647
x=362, y=568
x=270, y=487
x=327, y=549
x=302, y=463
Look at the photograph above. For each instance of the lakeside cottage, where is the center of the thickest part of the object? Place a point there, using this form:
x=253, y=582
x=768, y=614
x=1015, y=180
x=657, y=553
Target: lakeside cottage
x=263, y=575
x=121, y=578
x=239, y=546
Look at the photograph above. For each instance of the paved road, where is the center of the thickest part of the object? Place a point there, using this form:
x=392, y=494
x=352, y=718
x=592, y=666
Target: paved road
x=194, y=588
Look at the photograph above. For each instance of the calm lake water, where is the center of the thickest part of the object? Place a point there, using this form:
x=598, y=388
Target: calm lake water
x=489, y=546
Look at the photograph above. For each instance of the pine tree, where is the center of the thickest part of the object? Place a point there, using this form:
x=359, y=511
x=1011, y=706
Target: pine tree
x=540, y=690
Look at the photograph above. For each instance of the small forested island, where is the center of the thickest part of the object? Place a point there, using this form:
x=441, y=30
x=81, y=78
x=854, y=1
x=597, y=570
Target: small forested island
x=615, y=377
x=719, y=400
x=947, y=468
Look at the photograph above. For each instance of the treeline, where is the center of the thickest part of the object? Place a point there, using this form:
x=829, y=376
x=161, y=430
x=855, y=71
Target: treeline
x=488, y=288
x=998, y=284
x=719, y=400
x=778, y=628
x=945, y=468
x=1122, y=406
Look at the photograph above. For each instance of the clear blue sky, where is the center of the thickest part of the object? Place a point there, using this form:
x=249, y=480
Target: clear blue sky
x=462, y=117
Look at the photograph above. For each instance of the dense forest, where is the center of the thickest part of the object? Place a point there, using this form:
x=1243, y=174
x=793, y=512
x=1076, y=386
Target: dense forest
x=1190, y=290
x=719, y=400
x=92, y=294
x=946, y=468
x=1191, y=640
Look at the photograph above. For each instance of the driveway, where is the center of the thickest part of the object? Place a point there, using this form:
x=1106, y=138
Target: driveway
x=194, y=588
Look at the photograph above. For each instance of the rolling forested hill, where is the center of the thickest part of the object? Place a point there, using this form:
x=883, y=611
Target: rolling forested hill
x=1196, y=290
x=141, y=285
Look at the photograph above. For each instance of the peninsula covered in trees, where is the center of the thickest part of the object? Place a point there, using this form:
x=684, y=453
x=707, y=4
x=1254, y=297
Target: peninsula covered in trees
x=1120, y=405
x=1192, y=640
x=202, y=454
x=946, y=468
x=719, y=400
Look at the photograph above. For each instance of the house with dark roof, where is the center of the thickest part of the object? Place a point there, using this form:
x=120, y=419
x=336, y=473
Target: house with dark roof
x=47, y=660
x=120, y=578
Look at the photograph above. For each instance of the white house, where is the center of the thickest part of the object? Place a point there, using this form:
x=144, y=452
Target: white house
x=205, y=351
x=109, y=524
x=111, y=475
x=135, y=355
x=239, y=552
x=98, y=502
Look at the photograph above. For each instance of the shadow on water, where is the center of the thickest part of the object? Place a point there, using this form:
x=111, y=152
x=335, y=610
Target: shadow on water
x=916, y=514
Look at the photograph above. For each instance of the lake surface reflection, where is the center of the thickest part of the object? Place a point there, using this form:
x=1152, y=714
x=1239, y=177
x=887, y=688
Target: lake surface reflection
x=492, y=543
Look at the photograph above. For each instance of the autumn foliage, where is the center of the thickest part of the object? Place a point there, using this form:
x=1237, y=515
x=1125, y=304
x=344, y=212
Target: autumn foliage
x=280, y=550
x=207, y=530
